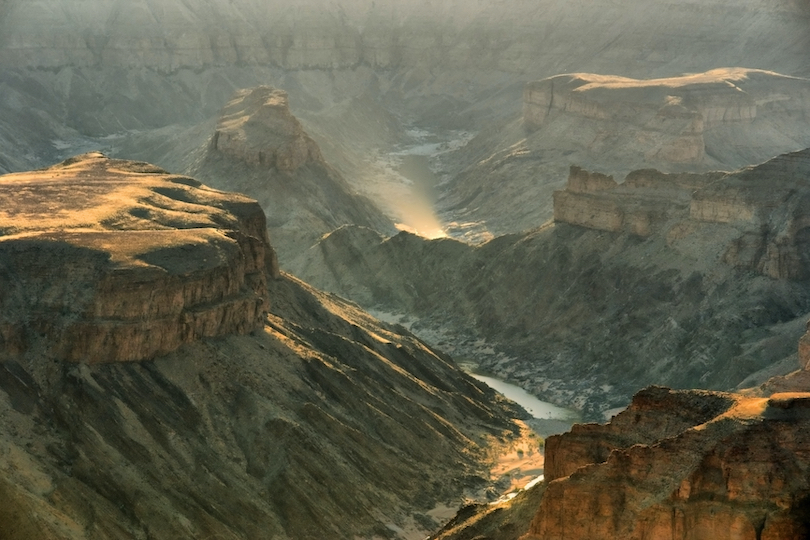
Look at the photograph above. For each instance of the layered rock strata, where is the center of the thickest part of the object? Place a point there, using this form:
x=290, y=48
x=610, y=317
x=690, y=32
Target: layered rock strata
x=764, y=210
x=257, y=127
x=683, y=465
x=667, y=118
x=640, y=205
x=106, y=260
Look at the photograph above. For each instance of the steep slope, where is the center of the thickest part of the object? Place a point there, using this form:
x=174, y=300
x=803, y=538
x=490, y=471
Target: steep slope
x=107, y=260
x=647, y=269
x=316, y=421
x=259, y=148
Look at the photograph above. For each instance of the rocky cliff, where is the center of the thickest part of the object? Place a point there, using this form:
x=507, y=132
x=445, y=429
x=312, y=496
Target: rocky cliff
x=259, y=147
x=673, y=464
x=736, y=469
x=763, y=208
x=723, y=119
x=147, y=389
x=105, y=260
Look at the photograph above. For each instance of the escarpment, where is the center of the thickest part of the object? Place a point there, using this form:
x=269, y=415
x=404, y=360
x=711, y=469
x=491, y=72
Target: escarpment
x=107, y=260
x=763, y=212
x=671, y=120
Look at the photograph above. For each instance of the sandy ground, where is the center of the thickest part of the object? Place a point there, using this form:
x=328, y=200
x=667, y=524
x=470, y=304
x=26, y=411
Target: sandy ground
x=514, y=465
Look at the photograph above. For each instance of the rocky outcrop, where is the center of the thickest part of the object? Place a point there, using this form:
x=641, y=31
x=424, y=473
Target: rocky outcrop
x=107, y=260
x=714, y=465
x=667, y=117
x=765, y=209
x=260, y=148
x=257, y=127
x=641, y=205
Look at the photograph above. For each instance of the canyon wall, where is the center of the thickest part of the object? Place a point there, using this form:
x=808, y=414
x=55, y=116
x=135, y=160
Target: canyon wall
x=668, y=118
x=725, y=466
x=106, y=260
x=765, y=209
x=641, y=205
x=489, y=34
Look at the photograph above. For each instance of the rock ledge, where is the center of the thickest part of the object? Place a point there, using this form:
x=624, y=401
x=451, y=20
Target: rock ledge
x=107, y=260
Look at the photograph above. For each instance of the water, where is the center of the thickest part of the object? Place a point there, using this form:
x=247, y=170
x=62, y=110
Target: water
x=538, y=409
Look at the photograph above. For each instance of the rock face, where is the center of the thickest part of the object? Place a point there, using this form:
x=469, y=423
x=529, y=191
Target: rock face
x=259, y=148
x=257, y=127
x=766, y=207
x=106, y=260
x=641, y=205
x=682, y=465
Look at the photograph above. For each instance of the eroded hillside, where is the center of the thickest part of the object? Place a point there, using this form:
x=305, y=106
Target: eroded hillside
x=141, y=398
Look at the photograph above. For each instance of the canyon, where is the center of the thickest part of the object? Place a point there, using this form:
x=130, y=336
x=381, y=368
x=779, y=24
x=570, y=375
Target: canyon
x=589, y=201
x=643, y=269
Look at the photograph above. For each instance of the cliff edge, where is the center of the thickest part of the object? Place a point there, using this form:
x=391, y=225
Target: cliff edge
x=738, y=470
x=107, y=260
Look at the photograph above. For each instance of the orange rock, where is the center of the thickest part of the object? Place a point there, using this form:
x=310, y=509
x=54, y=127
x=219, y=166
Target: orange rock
x=715, y=466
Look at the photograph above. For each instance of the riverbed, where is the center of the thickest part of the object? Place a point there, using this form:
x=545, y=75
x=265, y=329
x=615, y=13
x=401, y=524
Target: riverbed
x=547, y=418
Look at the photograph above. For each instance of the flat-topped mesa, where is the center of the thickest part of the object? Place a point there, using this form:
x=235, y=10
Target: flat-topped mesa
x=257, y=127
x=682, y=465
x=667, y=118
x=107, y=260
